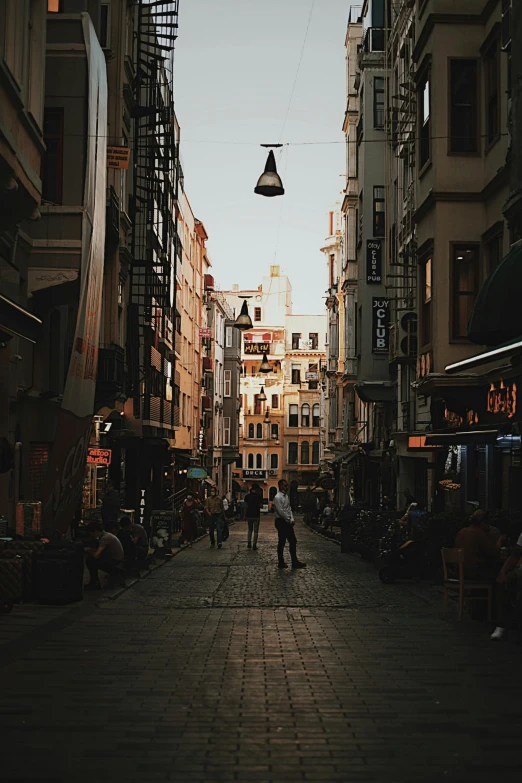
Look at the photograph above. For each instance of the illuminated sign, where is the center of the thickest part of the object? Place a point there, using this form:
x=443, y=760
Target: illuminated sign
x=502, y=398
x=419, y=442
x=256, y=348
x=99, y=456
x=118, y=157
x=380, y=324
x=254, y=474
x=374, y=261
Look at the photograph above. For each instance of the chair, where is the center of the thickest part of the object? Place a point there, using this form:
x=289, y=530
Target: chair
x=463, y=586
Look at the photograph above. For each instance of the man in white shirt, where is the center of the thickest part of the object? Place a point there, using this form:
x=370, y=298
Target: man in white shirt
x=284, y=523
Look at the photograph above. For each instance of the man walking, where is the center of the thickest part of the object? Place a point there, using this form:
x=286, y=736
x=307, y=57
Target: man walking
x=215, y=513
x=253, y=514
x=284, y=523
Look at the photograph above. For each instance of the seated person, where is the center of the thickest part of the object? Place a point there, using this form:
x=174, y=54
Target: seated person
x=481, y=555
x=138, y=536
x=510, y=579
x=327, y=517
x=108, y=556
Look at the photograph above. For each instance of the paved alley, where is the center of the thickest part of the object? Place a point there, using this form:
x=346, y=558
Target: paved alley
x=220, y=667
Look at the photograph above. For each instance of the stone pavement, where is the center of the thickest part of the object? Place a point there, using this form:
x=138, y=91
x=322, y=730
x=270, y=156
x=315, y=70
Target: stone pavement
x=220, y=667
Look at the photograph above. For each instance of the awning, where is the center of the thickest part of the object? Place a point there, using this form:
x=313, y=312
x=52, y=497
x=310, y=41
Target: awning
x=210, y=482
x=496, y=315
x=468, y=438
x=376, y=391
x=494, y=354
x=14, y=320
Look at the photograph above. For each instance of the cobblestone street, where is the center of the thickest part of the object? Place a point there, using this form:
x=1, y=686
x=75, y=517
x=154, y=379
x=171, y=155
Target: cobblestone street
x=220, y=667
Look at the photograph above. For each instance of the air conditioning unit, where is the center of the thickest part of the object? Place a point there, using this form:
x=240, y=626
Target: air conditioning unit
x=272, y=472
x=403, y=338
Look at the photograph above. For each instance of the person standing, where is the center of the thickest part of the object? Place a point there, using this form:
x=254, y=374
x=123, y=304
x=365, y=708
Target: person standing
x=253, y=515
x=284, y=524
x=189, y=522
x=215, y=511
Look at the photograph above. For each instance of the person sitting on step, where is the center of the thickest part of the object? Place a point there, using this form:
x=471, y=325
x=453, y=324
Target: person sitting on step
x=107, y=556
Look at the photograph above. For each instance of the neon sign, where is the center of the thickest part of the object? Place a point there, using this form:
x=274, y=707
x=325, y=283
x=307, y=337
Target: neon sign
x=502, y=398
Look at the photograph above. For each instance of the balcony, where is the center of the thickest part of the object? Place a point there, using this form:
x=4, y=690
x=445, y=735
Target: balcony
x=374, y=40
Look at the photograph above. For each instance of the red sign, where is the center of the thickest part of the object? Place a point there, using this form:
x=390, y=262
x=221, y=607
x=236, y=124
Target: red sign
x=205, y=332
x=99, y=456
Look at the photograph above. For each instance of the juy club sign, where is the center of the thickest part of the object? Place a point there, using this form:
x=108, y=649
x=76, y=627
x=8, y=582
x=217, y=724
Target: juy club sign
x=380, y=325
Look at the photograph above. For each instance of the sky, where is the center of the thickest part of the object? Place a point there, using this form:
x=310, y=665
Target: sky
x=234, y=70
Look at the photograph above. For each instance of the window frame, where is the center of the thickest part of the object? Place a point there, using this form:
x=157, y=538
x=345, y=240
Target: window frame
x=274, y=428
x=293, y=416
x=455, y=295
x=292, y=443
x=314, y=417
x=376, y=105
x=274, y=461
x=378, y=199
x=452, y=61
x=259, y=461
x=492, y=47
x=316, y=452
x=258, y=314
x=424, y=125
x=314, y=340
x=259, y=431
x=227, y=383
x=251, y=429
x=295, y=342
x=305, y=417
x=250, y=461
x=296, y=369
x=305, y=452
x=226, y=430
x=275, y=402
x=229, y=340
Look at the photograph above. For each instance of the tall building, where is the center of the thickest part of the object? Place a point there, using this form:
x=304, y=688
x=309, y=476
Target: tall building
x=280, y=409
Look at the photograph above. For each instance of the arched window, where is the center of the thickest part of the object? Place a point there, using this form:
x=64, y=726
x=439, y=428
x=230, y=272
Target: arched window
x=316, y=415
x=272, y=492
x=250, y=430
x=315, y=452
x=292, y=453
x=305, y=415
x=259, y=461
x=259, y=430
x=275, y=431
x=250, y=460
x=305, y=453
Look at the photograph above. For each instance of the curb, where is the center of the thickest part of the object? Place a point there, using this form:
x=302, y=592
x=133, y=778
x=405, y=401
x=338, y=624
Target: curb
x=326, y=538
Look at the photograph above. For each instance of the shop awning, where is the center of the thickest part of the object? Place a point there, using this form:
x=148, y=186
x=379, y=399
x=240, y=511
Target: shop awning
x=210, y=482
x=501, y=352
x=496, y=315
x=468, y=438
x=376, y=391
x=14, y=320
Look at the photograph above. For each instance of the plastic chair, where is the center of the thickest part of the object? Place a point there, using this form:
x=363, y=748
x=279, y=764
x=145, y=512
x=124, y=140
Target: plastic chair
x=464, y=586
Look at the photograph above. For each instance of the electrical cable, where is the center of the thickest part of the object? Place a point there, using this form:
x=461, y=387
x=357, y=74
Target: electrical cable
x=297, y=72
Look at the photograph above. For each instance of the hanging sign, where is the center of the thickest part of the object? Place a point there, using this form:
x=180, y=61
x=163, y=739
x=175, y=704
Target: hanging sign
x=205, y=332
x=374, y=261
x=197, y=473
x=99, y=456
x=256, y=348
x=380, y=324
x=118, y=157
x=502, y=398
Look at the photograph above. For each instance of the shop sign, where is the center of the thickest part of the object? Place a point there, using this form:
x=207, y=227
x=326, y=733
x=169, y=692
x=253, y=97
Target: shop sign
x=256, y=348
x=254, y=337
x=161, y=520
x=502, y=398
x=419, y=442
x=118, y=157
x=197, y=473
x=328, y=483
x=205, y=332
x=311, y=376
x=99, y=456
x=254, y=474
x=380, y=325
x=374, y=261
x=454, y=421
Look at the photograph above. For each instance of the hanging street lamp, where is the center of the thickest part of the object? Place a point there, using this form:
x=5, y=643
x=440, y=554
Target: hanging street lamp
x=265, y=365
x=266, y=420
x=243, y=321
x=262, y=396
x=269, y=183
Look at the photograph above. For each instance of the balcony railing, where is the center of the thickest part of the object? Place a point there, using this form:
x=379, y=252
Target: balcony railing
x=374, y=40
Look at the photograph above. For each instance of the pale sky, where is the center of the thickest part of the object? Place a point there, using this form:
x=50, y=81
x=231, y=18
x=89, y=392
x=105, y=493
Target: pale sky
x=235, y=65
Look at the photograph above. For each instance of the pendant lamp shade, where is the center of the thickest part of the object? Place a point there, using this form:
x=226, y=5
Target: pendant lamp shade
x=266, y=420
x=261, y=397
x=265, y=365
x=269, y=183
x=243, y=321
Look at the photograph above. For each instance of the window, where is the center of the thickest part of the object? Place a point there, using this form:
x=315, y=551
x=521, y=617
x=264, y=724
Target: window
x=313, y=368
x=275, y=431
x=315, y=452
x=259, y=430
x=378, y=211
x=239, y=461
x=465, y=266
x=293, y=416
x=226, y=430
x=316, y=415
x=292, y=453
x=259, y=461
x=228, y=383
x=492, y=88
x=105, y=37
x=305, y=453
x=54, y=6
x=228, y=337
x=424, y=121
x=295, y=341
x=250, y=461
x=250, y=430
x=463, y=108
x=378, y=102
x=274, y=461
x=257, y=313
x=331, y=270
x=314, y=340
x=257, y=404
x=296, y=373
x=52, y=169
x=426, y=326
x=275, y=402
x=493, y=252
x=305, y=415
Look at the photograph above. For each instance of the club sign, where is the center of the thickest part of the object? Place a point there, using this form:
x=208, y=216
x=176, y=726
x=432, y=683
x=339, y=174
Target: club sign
x=373, y=261
x=380, y=325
